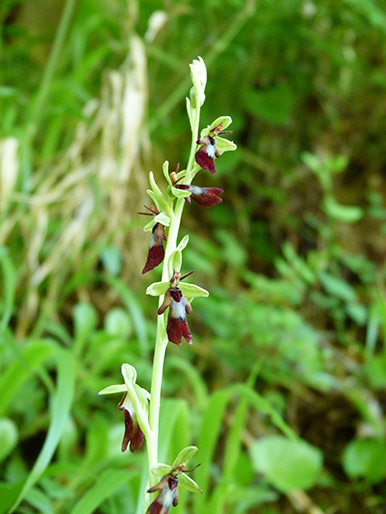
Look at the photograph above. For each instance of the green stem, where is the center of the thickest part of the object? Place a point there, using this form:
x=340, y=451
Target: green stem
x=161, y=337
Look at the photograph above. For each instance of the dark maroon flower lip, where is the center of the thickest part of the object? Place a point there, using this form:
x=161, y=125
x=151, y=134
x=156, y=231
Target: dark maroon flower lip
x=156, y=251
x=177, y=325
x=208, y=151
x=205, y=196
x=133, y=433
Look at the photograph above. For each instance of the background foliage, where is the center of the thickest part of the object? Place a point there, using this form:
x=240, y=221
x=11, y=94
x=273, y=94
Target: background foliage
x=283, y=389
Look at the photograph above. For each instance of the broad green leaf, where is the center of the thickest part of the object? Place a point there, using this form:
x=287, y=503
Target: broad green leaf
x=118, y=323
x=365, y=458
x=8, y=437
x=31, y=357
x=286, y=464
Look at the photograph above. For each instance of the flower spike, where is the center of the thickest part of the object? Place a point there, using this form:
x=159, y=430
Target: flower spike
x=208, y=151
x=177, y=326
x=156, y=248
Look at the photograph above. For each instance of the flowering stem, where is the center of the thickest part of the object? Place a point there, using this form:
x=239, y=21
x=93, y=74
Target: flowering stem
x=161, y=337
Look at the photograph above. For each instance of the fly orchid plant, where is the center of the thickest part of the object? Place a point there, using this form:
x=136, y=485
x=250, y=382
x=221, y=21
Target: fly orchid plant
x=140, y=409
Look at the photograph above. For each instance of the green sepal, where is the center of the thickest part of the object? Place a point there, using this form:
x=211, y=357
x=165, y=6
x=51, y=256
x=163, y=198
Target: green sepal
x=157, y=288
x=225, y=120
x=119, y=388
x=161, y=469
x=185, y=455
x=180, y=193
x=159, y=218
x=157, y=196
x=187, y=483
x=192, y=291
x=165, y=170
x=224, y=145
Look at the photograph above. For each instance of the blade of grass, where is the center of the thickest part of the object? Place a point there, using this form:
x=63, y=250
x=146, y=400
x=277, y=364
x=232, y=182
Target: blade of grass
x=61, y=407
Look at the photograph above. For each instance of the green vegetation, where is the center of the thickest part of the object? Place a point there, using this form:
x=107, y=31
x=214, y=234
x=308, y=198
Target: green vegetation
x=283, y=390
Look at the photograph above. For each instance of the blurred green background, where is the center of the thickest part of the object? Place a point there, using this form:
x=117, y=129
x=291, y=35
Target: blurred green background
x=283, y=390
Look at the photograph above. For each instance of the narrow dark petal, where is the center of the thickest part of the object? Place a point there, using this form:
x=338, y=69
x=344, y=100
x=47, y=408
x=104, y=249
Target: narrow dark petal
x=128, y=429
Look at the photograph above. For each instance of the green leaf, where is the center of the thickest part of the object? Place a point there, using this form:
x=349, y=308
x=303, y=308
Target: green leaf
x=343, y=213
x=118, y=323
x=365, y=458
x=106, y=484
x=286, y=464
x=8, y=437
x=66, y=366
x=9, y=284
x=85, y=322
x=337, y=287
x=31, y=357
